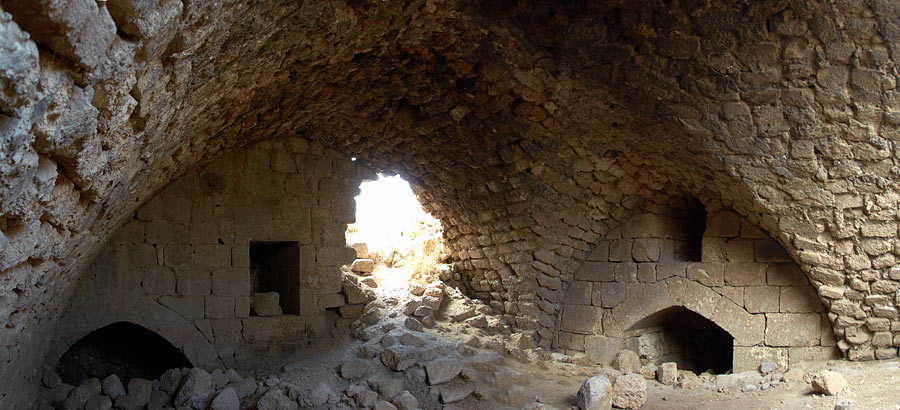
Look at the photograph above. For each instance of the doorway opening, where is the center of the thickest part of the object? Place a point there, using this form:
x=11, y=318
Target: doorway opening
x=679, y=335
x=122, y=348
x=394, y=230
x=275, y=267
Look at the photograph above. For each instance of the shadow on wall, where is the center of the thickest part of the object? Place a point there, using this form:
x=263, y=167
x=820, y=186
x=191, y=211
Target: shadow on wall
x=124, y=349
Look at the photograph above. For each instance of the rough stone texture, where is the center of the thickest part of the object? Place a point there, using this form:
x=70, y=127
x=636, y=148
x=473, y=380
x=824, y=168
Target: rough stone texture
x=266, y=304
x=594, y=394
x=741, y=280
x=629, y=391
x=667, y=373
x=828, y=382
x=779, y=110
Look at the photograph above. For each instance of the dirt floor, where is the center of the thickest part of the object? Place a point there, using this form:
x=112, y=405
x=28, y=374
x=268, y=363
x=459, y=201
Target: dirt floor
x=550, y=381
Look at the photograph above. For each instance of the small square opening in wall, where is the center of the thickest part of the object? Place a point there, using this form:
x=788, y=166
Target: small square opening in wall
x=275, y=267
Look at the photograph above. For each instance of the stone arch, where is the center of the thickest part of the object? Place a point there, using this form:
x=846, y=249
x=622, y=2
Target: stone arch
x=154, y=317
x=643, y=301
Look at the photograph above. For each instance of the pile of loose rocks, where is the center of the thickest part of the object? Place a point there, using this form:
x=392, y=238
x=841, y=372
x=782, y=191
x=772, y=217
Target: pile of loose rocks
x=625, y=385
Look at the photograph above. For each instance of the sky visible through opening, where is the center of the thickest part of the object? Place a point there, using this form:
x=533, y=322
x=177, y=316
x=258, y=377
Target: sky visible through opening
x=387, y=212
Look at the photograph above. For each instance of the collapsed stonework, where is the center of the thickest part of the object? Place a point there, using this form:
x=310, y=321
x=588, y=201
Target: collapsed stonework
x=531, y=130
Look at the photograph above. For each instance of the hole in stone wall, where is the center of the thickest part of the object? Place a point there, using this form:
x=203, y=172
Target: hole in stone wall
x=275, y=267
x=682, y=336
x=398, y=233
x=124, y=349
x=689, y=215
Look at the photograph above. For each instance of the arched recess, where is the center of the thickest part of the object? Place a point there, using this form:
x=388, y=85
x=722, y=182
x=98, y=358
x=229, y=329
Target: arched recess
x=153, y=317
x=679, y=335
x=122, y=348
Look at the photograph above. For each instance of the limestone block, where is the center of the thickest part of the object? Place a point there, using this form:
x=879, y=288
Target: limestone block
x=802, y=354
x=828, y=382
x=667, y=373
x=620, y=250
x=761, y=299
x=782, y=274
x=274, y=399
x=274, y=329
x=750, y=358
x=747, y=329
x=629, y=391
x=600, y=253
x=579, y=293
x=602, y=349
x=646, y=249
x=191, y=282
x=646, y=226
x=581, y=319
x=142, y=255
x=740, y=250
x=228, y=281
x=709, y=274
x=158, y=280
x=745, y=274
x=627, y=361
x=646, y=272
x=713, y=249
x=626, y=272
x=227, y=332
x=596, y=272
x=219, y=307
x=442, y=370
x=722, y=225
x=267, y=304
x=363, y=266
x=594, y=394
x=190, y=307
x=793, y=329
x=572, y=341
x=609, y=295
x=331, y=300
x=799, y=299
x=212, y=255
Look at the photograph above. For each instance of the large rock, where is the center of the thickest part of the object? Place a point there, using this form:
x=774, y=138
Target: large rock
x=266, y=304
x=195, y=390
x=399, y=358
x=363, y=266
x=594, y=394
x=276, y=400
x=112, y=387
x=354, y=368
x=828, y=382
x=406, y=401
x=98, y=402
x=667, y=373
x=442, y=370
x=227, y=399
x=170, y=381
x=627, y=361
x=629, y=391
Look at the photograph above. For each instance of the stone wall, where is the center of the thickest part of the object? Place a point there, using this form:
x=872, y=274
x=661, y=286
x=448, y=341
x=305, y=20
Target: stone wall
x=181, y=265
x=742, y=281
x=509, y=117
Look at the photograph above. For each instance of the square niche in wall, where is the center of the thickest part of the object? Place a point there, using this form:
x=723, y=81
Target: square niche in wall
x=275, y=267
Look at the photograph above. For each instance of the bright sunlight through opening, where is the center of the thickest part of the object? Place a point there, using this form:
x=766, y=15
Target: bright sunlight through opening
x=400, y=235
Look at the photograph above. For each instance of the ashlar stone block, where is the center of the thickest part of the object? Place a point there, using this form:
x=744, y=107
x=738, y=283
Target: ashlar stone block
x=582, y=319
x=793, y=329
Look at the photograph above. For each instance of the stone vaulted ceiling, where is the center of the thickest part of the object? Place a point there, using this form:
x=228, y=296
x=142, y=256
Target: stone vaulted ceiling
x=529, y=128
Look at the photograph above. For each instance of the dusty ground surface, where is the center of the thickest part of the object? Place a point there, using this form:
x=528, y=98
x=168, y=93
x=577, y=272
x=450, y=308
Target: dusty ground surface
x=551, y=381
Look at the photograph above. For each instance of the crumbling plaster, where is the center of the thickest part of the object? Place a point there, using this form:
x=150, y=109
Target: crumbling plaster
x=529, y=128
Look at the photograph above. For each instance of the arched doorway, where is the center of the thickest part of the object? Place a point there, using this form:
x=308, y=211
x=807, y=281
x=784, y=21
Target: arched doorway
x=676, y=334
x=122, y=348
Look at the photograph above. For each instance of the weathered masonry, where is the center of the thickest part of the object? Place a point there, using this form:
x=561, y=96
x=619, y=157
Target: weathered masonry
x=638, y=284
x=540, y=133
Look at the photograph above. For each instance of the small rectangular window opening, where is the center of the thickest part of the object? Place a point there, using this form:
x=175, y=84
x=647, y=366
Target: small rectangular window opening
x=275, y=267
